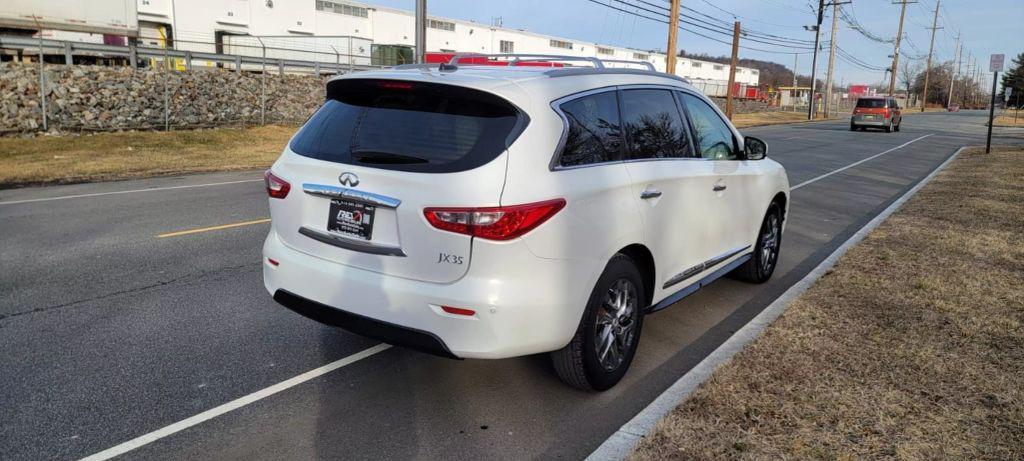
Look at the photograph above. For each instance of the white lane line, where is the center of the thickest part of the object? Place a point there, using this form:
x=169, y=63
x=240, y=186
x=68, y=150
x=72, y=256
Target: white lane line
x=232, y=405
x=620, y=444
x=132, y=191
x=858, y=162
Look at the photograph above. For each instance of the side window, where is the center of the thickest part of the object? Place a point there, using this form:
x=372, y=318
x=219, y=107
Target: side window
x=713, y=136
x=654, y=128
x=595, y=134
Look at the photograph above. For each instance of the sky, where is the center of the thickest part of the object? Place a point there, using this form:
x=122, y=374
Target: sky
x=986, y=27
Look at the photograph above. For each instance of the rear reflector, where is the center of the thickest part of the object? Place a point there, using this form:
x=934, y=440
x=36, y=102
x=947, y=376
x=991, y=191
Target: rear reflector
x=458, y=310
x=276, y=187
x=494, y=223
x=273, y=262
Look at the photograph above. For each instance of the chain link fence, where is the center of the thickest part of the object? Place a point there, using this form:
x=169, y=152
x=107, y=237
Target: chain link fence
x=74, y=86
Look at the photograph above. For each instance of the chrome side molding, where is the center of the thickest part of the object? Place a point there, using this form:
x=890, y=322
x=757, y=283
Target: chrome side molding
x=361, y=246
x=703, y=266
x=344, y=193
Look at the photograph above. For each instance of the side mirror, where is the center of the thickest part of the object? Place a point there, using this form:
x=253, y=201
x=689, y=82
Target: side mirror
x=754, y=148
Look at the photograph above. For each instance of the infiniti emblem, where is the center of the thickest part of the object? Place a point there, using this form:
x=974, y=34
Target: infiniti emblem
x=349, y=179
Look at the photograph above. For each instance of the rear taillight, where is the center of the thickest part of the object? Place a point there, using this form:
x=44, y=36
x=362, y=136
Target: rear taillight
x=494, y=223
x=888, y=113
x=276, y=187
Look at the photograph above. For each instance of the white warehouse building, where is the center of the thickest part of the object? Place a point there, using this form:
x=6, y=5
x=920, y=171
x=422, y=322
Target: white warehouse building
x=340, y=30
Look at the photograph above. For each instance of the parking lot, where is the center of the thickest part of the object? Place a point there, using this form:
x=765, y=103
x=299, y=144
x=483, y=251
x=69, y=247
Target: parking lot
x=129, y=307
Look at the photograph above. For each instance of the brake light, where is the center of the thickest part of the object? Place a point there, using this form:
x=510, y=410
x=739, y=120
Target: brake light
x=392, y=85
x=494, y=223
x=887, y=113
x=276, y=187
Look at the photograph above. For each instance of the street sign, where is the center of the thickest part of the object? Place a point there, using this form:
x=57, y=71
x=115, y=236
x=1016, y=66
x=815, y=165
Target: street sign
x=995, y=63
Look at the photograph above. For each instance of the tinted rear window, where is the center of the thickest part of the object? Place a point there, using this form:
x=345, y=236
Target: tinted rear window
x=871, y=103
x=408, y=126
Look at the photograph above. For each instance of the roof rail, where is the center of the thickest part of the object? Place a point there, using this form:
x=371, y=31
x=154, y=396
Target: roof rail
x=452, y=64
x=646, y=64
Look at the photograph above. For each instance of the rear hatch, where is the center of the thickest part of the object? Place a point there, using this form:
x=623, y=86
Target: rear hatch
x=871, y=109
x=363, y=168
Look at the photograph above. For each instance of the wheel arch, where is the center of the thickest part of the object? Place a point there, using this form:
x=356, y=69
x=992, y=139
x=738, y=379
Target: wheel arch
x=644, y=260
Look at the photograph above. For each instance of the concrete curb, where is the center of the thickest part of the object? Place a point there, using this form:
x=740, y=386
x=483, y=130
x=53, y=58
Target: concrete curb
x=622, y=442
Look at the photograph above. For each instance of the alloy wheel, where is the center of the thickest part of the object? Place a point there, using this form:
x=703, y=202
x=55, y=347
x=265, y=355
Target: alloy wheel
x=770, y=242
x=616, y=324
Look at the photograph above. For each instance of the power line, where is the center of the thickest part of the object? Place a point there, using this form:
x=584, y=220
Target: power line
x=663, y=19
x=689, y=20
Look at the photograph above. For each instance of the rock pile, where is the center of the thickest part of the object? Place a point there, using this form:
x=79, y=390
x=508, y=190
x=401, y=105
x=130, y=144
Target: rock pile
x=102, y=98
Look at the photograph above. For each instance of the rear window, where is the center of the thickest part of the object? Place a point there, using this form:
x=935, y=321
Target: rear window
x=408, y=126
x=871, y=103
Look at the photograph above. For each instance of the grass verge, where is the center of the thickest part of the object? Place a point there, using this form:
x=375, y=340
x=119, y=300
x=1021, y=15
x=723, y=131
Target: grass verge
x=771, y=118
x=911, y=347
x=112, y=156
x=1007, y=119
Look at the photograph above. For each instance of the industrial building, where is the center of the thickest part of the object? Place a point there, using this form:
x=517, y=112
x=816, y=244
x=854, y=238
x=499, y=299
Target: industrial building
x=335, y=30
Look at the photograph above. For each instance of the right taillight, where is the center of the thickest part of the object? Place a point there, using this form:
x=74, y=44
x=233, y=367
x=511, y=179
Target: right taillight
x=276, y=187
x=494, y=223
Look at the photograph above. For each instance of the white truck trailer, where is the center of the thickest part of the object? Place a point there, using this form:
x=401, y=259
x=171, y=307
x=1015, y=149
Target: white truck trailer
x=113, y=17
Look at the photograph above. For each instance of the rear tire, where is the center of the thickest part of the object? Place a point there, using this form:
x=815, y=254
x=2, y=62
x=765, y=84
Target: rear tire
x=761, y=265
x=853, y=127
x=606, y=340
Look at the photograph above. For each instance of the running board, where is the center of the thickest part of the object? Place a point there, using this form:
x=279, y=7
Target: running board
x=691, y=288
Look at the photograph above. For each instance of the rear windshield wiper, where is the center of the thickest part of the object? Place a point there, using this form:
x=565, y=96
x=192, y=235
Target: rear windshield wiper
x=384, y=157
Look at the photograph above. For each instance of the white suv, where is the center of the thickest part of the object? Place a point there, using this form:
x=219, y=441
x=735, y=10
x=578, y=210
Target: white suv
x=490, y=212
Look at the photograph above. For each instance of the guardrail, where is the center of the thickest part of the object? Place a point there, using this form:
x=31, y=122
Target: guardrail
x=342, y=62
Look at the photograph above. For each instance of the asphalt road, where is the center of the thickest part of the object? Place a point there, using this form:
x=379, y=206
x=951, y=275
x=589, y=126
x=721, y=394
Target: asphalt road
x=108, y=332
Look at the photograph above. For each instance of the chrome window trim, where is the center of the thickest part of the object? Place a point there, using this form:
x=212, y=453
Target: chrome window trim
x=556, y=106
x=344, y=193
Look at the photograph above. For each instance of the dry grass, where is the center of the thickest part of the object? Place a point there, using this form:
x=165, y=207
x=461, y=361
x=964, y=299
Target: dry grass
x=771, y=118
x=110, y=156
x=912, y=347
x=1007, y=119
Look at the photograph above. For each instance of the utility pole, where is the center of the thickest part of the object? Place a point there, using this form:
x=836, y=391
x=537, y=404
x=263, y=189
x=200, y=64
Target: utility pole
x=794, y=92
x=952, y=77
x=896, y=52
x=931, y=48
x=814, y=60
x=673, y=29
x=732, y=68
x=421, y=31
x=832, y=55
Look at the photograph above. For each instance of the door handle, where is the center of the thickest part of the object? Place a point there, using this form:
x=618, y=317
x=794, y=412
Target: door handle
x=650, y=193
x=719, y=187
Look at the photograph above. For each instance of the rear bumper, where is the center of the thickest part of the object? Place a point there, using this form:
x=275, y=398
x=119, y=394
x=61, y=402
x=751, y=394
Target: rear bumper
x=523, y=304
x=390, y=333
x=859, y=120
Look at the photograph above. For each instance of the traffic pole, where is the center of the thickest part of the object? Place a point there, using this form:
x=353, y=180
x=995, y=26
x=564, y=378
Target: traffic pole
x=991, y=112
x=814, y=59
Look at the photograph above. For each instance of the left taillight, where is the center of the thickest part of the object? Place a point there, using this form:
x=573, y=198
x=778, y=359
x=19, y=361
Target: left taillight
x=276, y=187
x=494, y=223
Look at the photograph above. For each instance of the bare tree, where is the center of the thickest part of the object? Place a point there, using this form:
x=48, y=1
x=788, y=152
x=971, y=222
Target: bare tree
x=908, y=74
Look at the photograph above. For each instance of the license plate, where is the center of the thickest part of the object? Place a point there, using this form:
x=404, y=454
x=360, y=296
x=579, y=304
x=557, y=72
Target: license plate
x=869, y=117
x=352, y=219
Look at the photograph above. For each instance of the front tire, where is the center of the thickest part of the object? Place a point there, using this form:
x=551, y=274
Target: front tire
x=606, y=340
x=761, y=265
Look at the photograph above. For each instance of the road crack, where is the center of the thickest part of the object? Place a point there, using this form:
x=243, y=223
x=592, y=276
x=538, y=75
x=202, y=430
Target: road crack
x=196, y=276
